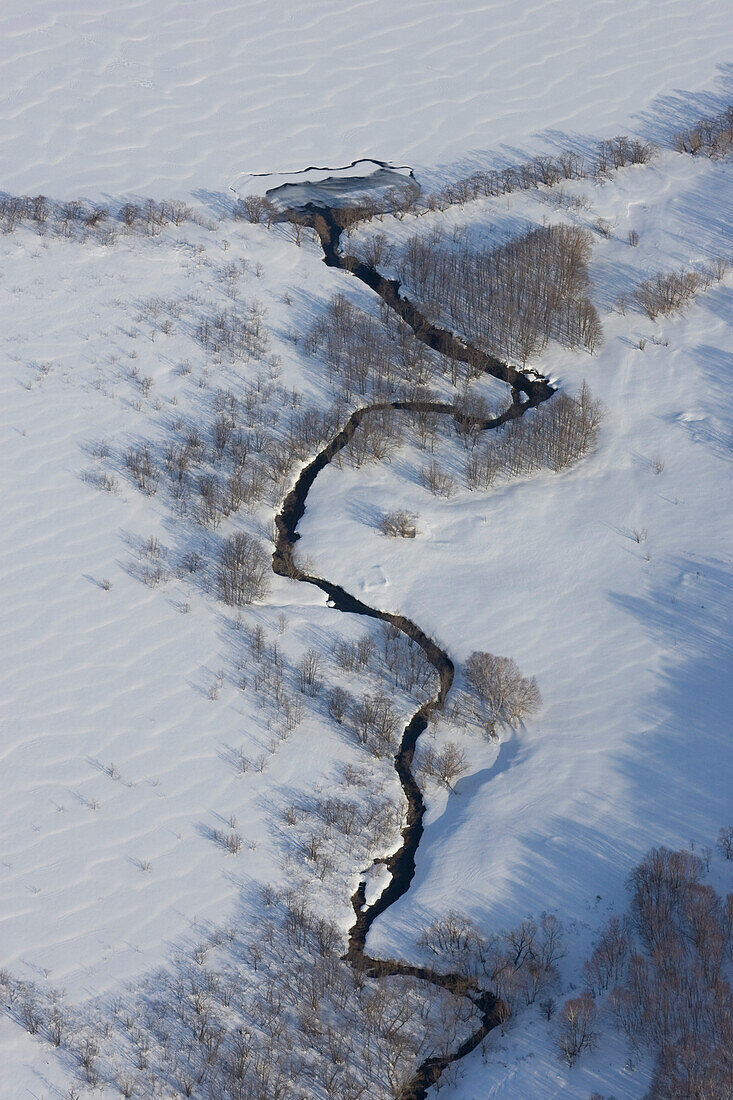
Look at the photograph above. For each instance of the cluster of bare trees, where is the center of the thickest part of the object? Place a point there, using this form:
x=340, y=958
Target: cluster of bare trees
x=275, y=1016
x=554, y=436
x=379, y=435
x=667, y=292
x=368, y=357
x=244, y=570
x=370, y=712
x=354, y=656
x=235, y=333
x=508, y=301
x=401, y=664
x=406, y=664
x=263, y=666
x=248, y=452
x=664, y=971
x=375, y=722
x=542, y=171
x=712, y=136
x=519, y=965
x=245, y=455
x=497, y=692
x=676, y=995
x=79, y=219
x=336, y=831
x=446, y=764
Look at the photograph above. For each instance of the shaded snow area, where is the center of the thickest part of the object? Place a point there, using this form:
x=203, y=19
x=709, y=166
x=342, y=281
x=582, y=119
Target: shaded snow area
x=169, y=763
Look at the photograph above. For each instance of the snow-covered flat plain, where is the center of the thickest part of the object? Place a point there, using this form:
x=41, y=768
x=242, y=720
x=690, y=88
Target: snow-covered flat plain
x=168, y=96
x=127, y=688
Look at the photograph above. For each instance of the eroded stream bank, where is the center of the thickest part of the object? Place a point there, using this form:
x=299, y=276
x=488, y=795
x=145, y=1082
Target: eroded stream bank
x=401, y=865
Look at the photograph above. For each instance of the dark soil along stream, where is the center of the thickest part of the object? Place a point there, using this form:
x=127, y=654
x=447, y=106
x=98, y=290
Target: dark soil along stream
x=401, y=865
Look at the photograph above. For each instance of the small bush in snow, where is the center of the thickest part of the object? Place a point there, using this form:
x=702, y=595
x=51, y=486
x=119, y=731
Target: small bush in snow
x=398, y=525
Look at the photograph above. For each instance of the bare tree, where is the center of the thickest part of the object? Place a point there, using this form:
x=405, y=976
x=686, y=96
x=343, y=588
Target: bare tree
x=243, y=570
x=725, y=842
x=578, y=1027
x=255, y=208
x=500, y=692
x=309, y=667
x=446, y=764
x=339, y=702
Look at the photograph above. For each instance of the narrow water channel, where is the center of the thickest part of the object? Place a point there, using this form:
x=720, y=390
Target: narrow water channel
x=400, y=865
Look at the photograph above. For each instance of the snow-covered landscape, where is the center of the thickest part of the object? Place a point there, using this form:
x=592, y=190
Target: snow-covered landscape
x=206, y=769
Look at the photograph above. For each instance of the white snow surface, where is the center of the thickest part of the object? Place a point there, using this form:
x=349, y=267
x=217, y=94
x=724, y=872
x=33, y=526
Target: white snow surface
x=116, y=749
x=169, y=96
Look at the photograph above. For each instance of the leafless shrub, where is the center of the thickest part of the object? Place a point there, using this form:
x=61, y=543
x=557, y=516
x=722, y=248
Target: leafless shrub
x=437, y=481
x=130, y=214
x=141, y=465
x=57, y=1026
x=243, y=570
x=30, y=1014
x=211, y=501
x=179, y=212
x=407, y=663
x=233, y=842
x=255, y=208
x=354, y=656
x=398, y=525
x=483, y=467
x=633, y=238
x=609, y=957
x=155, y=216
x=377, y=251
x=719, y=268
